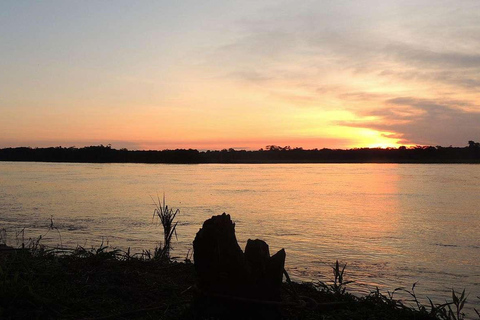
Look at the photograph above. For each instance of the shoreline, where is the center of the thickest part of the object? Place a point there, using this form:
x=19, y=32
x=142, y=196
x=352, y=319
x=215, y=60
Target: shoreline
x=104, y=283
x=274, y=154
x=260, y=163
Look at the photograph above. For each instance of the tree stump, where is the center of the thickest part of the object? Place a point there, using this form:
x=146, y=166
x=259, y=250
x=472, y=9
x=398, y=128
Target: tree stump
x=223, y=269
x=218, y=259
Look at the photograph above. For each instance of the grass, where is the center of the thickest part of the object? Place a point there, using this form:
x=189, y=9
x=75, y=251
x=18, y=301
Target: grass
x=89, y=284
x=339, y=285
x=166, y=216
x=104, y=283
x=37, y=282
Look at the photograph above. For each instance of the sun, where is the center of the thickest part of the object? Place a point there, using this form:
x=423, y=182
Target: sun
x=383, y=145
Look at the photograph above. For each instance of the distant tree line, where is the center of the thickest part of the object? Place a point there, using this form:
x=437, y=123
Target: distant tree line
x=271, y=154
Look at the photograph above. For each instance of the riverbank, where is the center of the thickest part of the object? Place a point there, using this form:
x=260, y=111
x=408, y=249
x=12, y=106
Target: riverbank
x=272, y=154
x=101, y=283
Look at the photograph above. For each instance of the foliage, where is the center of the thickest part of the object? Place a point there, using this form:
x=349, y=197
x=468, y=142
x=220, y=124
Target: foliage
x=105, y=282
x=89, y=283
x=37, y=282
x=272, y=154
x=166, y=216
x=387, y=304
x=458, y=302
x=476, y=311
x=338, y=285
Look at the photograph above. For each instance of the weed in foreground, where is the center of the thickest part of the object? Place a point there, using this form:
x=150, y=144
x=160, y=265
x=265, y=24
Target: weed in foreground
x=476, y=311
x=393, y=307
x=167, y=216
x=338, y=285
x=458, y=301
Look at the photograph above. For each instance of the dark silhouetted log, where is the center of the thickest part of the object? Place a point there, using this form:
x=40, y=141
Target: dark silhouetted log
x=223, y=269
x=257, y=255
x=274, y=274
x=219, y=261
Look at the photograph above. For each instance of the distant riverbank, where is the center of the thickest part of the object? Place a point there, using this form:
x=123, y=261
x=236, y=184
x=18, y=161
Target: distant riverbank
x=272, y=154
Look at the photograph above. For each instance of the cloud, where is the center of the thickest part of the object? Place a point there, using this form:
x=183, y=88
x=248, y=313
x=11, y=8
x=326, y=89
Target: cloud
x=399, y=66
x=423, y=121
x=392, y=42
x=249, y=76
x=423, y=57
x=444, y=66
x=467, y=79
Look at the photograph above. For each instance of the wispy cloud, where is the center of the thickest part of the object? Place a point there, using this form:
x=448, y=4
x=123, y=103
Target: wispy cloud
x=398, y=66
x=423, y=121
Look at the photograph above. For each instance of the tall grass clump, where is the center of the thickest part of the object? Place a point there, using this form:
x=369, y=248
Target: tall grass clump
x=388, y=305
x=167, y=216
x=476, y=311
x=338, y=285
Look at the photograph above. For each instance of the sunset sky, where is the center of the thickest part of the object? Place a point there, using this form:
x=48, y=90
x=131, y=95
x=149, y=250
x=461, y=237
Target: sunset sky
x=241, y=74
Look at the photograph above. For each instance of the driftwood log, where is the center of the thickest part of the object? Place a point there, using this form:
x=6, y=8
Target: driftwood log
x=223, y=269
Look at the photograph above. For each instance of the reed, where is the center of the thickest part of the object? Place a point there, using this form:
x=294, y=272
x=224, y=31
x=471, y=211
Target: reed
x=166, y=216
x=476, y=311
x=338, y=285
x=392, y=307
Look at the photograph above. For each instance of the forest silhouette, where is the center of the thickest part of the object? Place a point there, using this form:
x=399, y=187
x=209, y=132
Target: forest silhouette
x=271, y=154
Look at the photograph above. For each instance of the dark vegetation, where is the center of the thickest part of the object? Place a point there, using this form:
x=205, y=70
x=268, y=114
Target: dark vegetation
x=37, y=282
x=101, y=283
x=271, y=154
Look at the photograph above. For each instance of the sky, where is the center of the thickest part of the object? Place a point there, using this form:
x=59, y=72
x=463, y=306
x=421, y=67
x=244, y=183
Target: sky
x=220, y=74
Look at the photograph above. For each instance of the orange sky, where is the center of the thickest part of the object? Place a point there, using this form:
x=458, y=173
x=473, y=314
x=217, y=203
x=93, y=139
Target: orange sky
x=154, y=75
